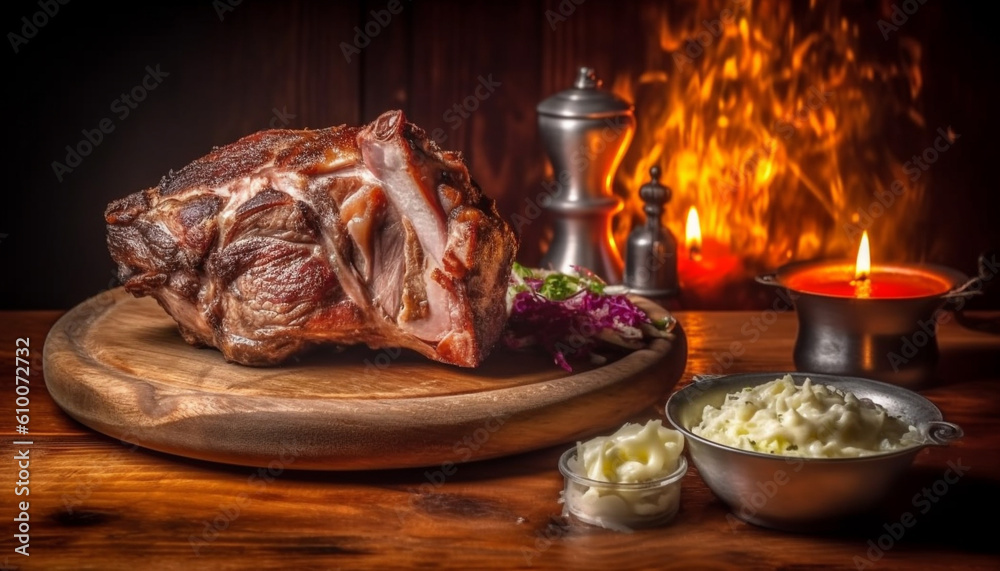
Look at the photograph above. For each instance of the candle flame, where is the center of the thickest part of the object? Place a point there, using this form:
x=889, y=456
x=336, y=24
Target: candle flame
x=863, y=266
x=692, y=233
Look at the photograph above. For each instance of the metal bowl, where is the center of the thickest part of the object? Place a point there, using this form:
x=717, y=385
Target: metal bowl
x=802, y=494
x=890, y=339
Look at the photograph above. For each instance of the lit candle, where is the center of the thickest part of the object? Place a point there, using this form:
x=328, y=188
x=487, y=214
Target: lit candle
x=866, y=319
x=692, y=234
x=863, y=269
x=706, y=265
x=862, y=280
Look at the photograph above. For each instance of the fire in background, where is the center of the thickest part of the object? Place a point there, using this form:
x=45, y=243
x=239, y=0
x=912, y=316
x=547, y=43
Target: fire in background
x=780, y=123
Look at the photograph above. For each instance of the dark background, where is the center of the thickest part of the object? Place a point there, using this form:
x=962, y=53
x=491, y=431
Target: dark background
x=237, y=69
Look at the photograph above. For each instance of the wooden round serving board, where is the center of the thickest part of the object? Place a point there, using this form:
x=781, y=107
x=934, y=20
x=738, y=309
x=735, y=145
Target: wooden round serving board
x=118, y=365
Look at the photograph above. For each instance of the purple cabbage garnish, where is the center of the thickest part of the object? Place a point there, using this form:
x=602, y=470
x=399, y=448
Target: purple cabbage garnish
x=570, y=316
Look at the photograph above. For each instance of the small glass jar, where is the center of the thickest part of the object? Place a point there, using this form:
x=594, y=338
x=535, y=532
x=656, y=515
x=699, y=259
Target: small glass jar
x=620, y=506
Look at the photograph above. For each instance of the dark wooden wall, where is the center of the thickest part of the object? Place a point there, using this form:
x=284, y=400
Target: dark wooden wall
x=235, y=69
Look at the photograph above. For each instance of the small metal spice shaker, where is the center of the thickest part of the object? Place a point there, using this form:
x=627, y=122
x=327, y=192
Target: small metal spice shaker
x=651, y=254
x=585, y=131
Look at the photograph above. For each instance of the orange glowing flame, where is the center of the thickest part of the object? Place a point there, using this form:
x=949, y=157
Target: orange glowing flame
x=863, y=267
x=692, y=234
x=774, y=123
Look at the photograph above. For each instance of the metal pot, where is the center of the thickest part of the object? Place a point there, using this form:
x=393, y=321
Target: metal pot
x=802, y=494
x=893, y=340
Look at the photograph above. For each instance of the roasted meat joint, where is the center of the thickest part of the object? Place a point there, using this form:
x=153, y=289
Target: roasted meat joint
x=287, y=239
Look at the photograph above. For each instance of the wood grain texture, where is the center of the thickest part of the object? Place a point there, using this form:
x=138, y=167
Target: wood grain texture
x=97, y=504
x=118, y=365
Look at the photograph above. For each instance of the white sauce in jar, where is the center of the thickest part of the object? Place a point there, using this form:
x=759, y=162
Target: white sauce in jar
x=628, y=479
x=635, y=453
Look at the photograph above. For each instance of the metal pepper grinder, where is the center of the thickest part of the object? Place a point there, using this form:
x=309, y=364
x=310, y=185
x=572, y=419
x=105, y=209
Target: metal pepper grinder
x=651, y=254
x=585, y=131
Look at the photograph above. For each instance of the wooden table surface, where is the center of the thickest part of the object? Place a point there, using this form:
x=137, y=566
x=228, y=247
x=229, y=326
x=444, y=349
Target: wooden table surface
x=96, y=503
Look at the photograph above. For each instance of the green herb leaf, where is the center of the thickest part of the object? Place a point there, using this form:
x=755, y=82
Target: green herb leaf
x=521, y=271
x=558, y=287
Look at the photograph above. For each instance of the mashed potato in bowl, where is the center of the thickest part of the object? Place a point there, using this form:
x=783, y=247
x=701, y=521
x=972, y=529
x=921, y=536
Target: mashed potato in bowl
x=811, y=421
x=814, y=484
